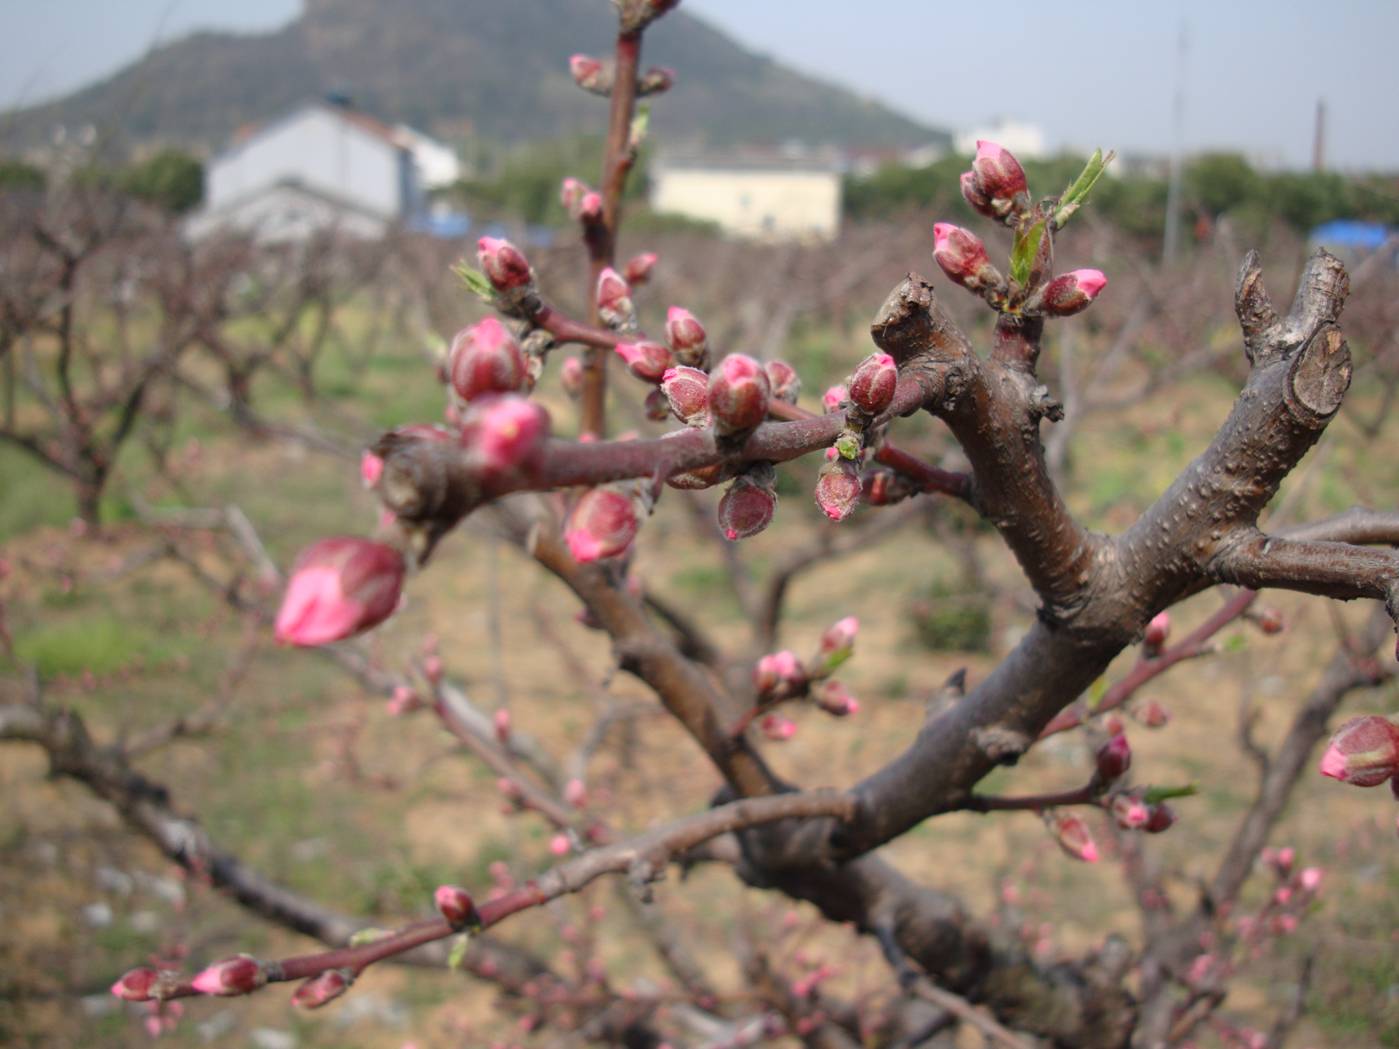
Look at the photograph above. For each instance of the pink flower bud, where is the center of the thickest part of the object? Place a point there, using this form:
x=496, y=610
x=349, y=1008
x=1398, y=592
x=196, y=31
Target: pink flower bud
x=1150, y=713
x=834, y=398
x=1070, y=293
x=1364, y=752
x=777, y=728
x=657, y=405
x=614, y=300
x=639, y=267
x=571, y=193
x=1157, y=631
x=998, y=174
x=655, y=81
x=976, y=197
x=575, y=793
x=963, y=258
x=783, y=379
x=834, y=698
x=838, y=488
x=559, y=845
x=241, y=974
x=322, y=989
x=590, y=74
x=874, y=382
x=603, y=524
x=1113, y=725
x=1310, y=879
x=748, y=505
x=136, y=985
x=687, y=390
x=1270, y=621
x=339, y=587
x=686, y=336
x=455, y=904
x=839, y=638
x=403, y=701
x=500, y=720
x=648, y=361
x=1114, y=758
x=371, y=468
x=1130, y=812
x=738, y=394
x=1073, y=836
x=503, y=263
x=590, y=206
x=571, y=376
x=486, y=359
x=778, y=675
x=1162, y=819
x=504, y=432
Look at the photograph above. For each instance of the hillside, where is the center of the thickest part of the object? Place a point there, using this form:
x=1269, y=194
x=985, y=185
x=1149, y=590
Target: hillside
x=494, y=68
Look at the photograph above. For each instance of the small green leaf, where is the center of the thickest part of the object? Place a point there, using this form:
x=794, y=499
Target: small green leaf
x=640, y=126
x=1073, y=197
x=1022, y=256
x=1235, y=643
x=1156, y=795
x=848, y=446
x=364, y=936
x=1096, y=692
x=476, y=282
x=458, y=952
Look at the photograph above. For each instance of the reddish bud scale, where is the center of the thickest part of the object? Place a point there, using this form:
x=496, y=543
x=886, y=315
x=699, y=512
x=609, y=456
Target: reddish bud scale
x=1130, y=812
x=777, y=728
x=655, y=81
x=455, y=904
x=976, y=197
x=839, y=638
x=656, y=406
x=738, y=394
x=686, y=336
x=339, y=587
x=874, y=382
x=1114, y=758
x=1364, y=752
x=1162, y=818
x=838, y=488
x=1157, y=631
x=485, y=359
x=603, y=524
x=648, y=361
x=590, y=74
x=687, y=390
x=504, y=265
x=835, y=699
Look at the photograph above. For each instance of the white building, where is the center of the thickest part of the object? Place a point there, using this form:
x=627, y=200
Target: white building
x=768, y=200
x=1026, y=141
x=324, y=165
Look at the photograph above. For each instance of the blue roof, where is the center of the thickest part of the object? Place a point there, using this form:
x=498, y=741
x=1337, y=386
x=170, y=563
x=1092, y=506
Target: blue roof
x=1349, y=233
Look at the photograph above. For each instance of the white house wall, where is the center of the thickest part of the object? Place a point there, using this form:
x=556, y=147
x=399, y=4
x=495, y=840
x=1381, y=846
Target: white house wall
x=763, y=204
x=318, y=149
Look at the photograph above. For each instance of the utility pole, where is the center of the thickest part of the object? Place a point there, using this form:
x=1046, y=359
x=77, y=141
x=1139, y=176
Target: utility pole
x=1171, y=240
x=1319, y=137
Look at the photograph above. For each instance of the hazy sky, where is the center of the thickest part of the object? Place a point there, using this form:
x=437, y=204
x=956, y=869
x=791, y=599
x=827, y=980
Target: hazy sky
x=1103, y=74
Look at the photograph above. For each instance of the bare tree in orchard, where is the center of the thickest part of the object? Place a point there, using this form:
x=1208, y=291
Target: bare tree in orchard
x=579, y=507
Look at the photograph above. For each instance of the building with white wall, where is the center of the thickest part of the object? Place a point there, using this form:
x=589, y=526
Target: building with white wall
x=768, y=200
x=1026, y=141
x=322, y=166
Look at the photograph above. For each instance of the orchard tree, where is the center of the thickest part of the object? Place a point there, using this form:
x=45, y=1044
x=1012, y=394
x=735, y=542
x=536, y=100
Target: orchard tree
x=579, y=508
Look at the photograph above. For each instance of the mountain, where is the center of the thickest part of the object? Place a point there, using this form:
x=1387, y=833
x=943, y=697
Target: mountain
x=493, y=68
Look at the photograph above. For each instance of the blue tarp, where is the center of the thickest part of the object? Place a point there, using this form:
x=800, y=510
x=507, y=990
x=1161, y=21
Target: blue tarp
x=1348, y=233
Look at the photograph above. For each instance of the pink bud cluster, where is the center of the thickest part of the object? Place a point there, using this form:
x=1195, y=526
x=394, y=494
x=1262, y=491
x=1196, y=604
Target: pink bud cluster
x=778, y=676
x=962, y=256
